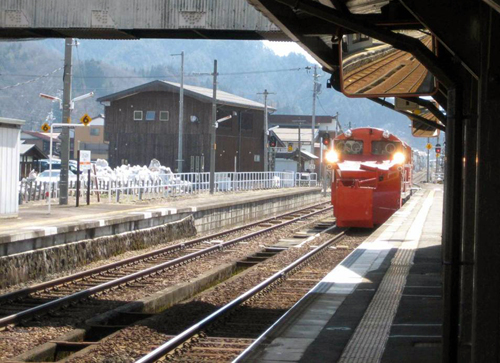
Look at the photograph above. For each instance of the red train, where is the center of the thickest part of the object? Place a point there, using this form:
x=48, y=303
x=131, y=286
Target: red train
x=371, y=176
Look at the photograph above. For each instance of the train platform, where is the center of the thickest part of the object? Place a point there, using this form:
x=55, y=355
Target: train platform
x=381, y=304
x=34, y=228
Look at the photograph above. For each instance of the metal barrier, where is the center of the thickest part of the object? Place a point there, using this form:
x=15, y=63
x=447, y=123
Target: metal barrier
x=306, y=179
x=167, y=185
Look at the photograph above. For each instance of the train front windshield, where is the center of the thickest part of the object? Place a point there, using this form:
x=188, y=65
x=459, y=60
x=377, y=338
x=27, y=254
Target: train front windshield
x=349, y=147
x=385, y=148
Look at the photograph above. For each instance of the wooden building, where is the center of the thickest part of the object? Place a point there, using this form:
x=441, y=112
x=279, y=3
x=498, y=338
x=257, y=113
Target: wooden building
x=142, y=123
x=30, y=155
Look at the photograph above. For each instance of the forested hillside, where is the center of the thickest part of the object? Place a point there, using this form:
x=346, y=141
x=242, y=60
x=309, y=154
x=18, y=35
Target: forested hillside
x=246, y=68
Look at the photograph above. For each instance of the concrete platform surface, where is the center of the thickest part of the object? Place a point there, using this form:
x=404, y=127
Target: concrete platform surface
x=381, y=304
x=34, y=221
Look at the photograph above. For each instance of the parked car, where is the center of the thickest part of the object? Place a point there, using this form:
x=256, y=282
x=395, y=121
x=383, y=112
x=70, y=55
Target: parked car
x=45, y=177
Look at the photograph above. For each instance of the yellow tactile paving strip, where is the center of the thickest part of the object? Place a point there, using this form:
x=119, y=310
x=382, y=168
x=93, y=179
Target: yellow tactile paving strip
x=368, y=342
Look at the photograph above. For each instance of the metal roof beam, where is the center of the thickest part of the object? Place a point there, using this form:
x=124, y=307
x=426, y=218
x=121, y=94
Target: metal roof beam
x=428, y=105
x=294, y=27
x=408, y=114
x=456, y=26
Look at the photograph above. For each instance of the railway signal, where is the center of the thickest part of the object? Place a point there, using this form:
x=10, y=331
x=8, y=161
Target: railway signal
x=272, y=141
x=438, y=149
x=325, y=139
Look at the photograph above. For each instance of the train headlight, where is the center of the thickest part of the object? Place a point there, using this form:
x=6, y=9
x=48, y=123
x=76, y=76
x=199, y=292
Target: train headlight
x=332, y=156
x=399, y=158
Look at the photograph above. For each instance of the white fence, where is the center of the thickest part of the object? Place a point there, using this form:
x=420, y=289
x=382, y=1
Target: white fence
x=167, y=185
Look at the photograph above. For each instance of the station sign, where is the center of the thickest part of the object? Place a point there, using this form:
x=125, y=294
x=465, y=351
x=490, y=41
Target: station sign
x=86, y=119
x=85, y=158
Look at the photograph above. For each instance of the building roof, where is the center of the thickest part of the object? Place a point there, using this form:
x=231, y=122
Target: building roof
x=97, y=120
x=200, y=93
x=41, y=135
x=307, y=119
x=25, y=148
x=11, y=121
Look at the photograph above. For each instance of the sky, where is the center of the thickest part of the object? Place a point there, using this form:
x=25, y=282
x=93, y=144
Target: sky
x=285, y=48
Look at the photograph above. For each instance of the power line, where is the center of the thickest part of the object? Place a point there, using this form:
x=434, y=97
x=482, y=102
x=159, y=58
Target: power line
x=47, y=75
x=321, y=105
x=193, y=75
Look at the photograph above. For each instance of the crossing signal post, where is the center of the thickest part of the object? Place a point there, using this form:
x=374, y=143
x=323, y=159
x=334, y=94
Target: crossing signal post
x=325, y=139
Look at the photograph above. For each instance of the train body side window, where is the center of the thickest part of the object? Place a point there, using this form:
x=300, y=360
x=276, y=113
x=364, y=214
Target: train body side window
x=349, y=147
x=386, y=148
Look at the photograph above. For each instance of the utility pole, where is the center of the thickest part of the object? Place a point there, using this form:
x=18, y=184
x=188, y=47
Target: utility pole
x=428, y=162
x=315, y=93
x=266, y=131
x=437, y=156
x=213, y=145
x=181, y=115
x=300, y=149
x=65, y=140
x=299, y=122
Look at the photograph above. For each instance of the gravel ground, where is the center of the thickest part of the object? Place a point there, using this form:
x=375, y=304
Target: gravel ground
x=120, y=257
x=133, y=342
x=17, y=340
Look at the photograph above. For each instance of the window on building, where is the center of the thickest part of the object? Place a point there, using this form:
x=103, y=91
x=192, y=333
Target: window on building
x=164, y=115
x=247, y=122
x=94, y=131
x=150, y=115
x=137, y=115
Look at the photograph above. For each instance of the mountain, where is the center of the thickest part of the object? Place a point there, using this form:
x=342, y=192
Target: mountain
x=246, y=68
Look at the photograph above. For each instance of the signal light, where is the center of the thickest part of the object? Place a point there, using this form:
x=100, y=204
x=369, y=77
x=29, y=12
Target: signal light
x=438, y=149
x=332, y=156
x=325, y=139
x=272, y=141
x=399, y=158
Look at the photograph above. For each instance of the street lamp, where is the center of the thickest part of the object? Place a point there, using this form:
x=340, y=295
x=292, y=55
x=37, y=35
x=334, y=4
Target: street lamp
x=67, y=106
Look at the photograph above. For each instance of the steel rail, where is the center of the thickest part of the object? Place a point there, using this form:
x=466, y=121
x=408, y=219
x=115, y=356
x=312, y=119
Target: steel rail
x=176, y=341
x=66, y=300
x=9, y=297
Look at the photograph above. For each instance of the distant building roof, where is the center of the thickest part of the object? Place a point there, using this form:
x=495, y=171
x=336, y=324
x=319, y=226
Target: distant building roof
x=41, y=135
x=33, y=149
x=201, y=93
x=98, y=120
x=307, y=119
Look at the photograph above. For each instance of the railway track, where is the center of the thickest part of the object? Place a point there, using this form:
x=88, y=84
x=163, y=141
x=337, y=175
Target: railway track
x=26, y=304
x=227, y=332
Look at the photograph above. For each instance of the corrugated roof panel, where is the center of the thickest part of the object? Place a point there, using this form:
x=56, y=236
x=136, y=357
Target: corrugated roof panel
x=222, y=97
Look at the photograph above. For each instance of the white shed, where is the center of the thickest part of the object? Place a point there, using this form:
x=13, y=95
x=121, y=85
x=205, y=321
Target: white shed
x=10, y=130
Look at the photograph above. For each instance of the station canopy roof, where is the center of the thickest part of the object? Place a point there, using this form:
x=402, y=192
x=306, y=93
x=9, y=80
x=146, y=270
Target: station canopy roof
x=200, y=93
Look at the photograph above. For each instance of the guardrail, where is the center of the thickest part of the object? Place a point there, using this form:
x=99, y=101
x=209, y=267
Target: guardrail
x=168, y=185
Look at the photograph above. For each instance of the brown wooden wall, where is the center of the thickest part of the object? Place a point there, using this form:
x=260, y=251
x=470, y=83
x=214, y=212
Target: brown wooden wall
x=137, y=142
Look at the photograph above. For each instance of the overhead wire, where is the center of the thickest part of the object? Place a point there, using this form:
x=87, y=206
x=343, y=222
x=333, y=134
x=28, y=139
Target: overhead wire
x=167, y=76
x=46, y=75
